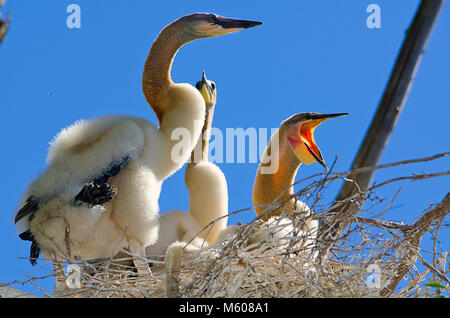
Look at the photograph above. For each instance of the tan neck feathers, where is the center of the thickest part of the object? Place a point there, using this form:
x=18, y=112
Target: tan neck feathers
x=156, y=79
x=200, y=152
x=277, y=186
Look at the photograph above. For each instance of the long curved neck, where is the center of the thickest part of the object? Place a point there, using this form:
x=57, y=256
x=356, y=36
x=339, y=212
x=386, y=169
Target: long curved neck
x=156, y=79
x=177, y=106
x=200, y=152
x=276, y=186
x=207, y=186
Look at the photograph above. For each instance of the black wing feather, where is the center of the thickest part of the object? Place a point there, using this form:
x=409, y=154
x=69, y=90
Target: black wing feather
x=98, y=191
x=34, y=248
x=95, y=193
x=30, y=207
x=34, y=252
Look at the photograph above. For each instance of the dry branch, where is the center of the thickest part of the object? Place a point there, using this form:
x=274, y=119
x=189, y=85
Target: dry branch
x=388, y=111
x=411, y=242
x=282, y=266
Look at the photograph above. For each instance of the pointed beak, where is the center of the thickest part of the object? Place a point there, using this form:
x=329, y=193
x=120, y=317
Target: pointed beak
x=205, y=88
x=203, y=83
x=227, y=23
x=206, y=83
x=317, y=155
x=324, y=117
x=212, y=25
x=306, y=133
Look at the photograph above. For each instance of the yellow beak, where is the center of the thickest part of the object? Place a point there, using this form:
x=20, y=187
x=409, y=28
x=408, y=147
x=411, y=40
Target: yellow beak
x=205, y=88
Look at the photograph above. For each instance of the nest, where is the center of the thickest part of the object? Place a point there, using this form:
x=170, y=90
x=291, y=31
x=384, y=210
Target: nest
x=371, y=257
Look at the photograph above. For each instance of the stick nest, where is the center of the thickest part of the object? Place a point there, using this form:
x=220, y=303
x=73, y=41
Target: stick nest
x=372, y=257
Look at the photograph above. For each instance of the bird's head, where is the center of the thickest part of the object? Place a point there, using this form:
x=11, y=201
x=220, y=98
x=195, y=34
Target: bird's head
x=208, y=90
x=212, y=25
x=300, y=135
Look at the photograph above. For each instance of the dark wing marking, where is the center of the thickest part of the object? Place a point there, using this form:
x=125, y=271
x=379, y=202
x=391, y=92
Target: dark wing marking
x=111, y=171
x=34, y=252
x=96, y=194
x=99, y=191
x=34, y=248
x=26, y=236
x=30, y=207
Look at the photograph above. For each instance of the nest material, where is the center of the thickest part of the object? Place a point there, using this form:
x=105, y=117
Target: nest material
x=230, y=269
x=277, y=267
x=369, y=259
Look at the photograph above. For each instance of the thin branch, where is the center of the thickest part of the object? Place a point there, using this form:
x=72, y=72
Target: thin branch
x=388, y=111
x=411, y=242
x=433, y=269
x=414, y=177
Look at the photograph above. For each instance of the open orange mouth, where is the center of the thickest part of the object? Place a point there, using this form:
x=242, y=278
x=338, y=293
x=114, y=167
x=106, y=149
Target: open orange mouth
x=306, y=132
x=301, y=138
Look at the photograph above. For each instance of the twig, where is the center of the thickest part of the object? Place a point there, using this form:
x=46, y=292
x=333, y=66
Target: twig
x=433, y=269
x=415, y=177
x=388, y=111
x=411, y=242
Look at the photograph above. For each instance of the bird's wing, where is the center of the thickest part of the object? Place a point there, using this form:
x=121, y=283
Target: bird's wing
x=81, y=160
x=28, y=209
x=99, y=191
x=88, y=151
x=96, y=191
x=31, y=206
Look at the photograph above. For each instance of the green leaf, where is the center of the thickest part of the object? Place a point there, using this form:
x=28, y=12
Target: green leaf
x=434, y=285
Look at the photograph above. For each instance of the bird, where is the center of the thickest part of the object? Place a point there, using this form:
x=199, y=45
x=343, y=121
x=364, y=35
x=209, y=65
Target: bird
x=100, y=190
x=290, y=146
x=208, y=192
x=206, y=183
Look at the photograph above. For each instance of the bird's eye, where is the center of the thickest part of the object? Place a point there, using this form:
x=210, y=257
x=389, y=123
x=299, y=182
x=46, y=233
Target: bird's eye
x=213, y=18
x=198, y=85
x=213, y=85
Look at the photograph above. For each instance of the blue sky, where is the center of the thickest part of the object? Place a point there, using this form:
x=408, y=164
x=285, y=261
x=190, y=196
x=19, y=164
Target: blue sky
x=305, y=57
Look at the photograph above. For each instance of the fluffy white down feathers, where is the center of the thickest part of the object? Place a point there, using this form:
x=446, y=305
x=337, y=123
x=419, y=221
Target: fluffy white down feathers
x=81, y=153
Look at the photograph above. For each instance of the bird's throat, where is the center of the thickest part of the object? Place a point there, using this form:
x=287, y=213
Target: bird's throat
x=276, y=186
